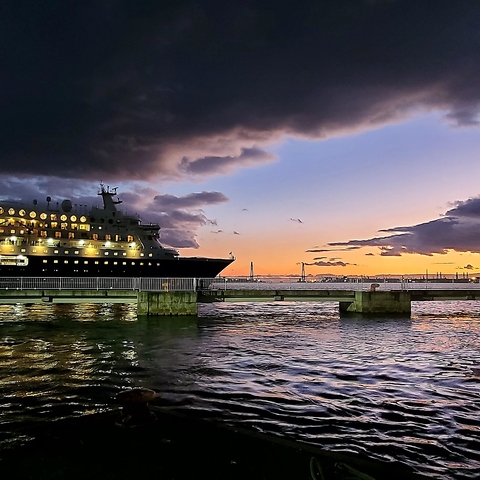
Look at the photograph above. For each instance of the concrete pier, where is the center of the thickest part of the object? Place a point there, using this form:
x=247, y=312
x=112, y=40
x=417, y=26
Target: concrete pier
x=167, y=303
x=172, y=297
x=378, y=303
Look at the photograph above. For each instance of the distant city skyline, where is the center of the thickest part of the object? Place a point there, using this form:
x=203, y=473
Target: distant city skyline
x=343, y=135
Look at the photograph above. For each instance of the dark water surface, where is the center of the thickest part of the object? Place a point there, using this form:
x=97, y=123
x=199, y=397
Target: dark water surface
x=393, y=388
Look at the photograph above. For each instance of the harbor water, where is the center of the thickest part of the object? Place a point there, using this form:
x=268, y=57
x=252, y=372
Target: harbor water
x=403, y=389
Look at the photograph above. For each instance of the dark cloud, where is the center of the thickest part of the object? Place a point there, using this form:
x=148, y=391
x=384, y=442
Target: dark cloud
x=321, y=250
x=469, y=267
x=215, y=165
x=458, y=229
x=132, y=90
x=180, y=217
x=330, y=264
x=193, y=200
x=468, y=208
x=297, y=220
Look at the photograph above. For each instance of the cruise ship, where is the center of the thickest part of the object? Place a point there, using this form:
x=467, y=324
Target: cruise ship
x=68, y=241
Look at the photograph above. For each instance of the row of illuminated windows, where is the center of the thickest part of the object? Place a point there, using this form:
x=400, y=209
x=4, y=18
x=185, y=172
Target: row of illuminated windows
x=77, y=252
x=104, y=262
x=59, y=234
x=63, y=225
x=43, y=215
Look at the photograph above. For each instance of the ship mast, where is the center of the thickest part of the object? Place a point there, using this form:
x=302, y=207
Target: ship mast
x=107, y=197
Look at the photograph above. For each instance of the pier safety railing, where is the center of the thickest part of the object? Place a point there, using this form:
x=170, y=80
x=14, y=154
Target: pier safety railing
x=102, y=283
x=218, y=283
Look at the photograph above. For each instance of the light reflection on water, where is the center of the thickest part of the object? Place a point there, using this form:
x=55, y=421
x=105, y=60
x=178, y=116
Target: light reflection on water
x=404, y=388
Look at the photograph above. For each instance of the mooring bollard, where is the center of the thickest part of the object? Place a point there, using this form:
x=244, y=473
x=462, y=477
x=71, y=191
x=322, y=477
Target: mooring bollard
x=136, y=410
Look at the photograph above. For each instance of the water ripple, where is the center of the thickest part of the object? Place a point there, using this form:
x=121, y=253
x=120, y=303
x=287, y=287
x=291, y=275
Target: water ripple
x=404, y=390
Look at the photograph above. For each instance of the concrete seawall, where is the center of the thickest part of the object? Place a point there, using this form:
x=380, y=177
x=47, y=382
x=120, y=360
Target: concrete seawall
x=67, y=296
x=167, y=303
x=379, y=302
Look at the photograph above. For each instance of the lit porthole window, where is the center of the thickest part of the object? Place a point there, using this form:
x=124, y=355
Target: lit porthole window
x=33, y=214
x=65, y=261
x=106, y=253
x=43, y=216
x=83, y=218
x=22, y=212
x=55, y=261
x=63, y=218
x=11, y=211
x=73, y=218
x=106, y=262
x=150, y=254
x=1, y=210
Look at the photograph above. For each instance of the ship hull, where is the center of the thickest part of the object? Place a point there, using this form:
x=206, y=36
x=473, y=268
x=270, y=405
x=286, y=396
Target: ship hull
x=180, y=267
